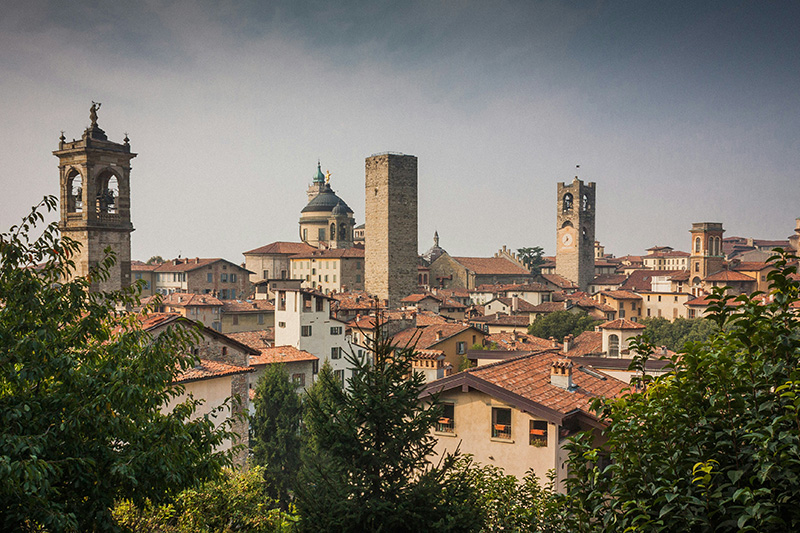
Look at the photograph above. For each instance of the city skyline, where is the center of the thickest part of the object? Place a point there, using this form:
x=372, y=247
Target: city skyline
x=679, y=113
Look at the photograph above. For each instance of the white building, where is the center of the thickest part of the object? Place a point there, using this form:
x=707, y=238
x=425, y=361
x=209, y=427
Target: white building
x=303, y=320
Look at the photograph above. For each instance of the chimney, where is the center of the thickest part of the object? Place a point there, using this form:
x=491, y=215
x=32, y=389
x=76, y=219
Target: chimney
x=196, y=260
x=514, y=304
x=514, y=335
x=439, y=334
x=553, y=342
x=561, y=374
x=568, y=342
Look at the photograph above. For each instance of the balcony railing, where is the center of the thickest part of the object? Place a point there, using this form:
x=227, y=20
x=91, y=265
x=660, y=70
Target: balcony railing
x=501, y=431
x=445, y=425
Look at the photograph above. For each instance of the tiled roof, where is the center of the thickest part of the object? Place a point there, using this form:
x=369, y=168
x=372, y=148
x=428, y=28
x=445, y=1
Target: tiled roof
x=354, y=301
x=491, y=265
x=525, y=383
x=548, y=307
x=355, y=252
x=559, y=281
x=425, y=338
x=282, y=248
x=415, y=298
x=523, y=306
x=589, y=303
x=281, y=354
x=609, y=279
x=621, y=295
x=673, y=253
x=505, y=287
x=518, y=342
x=429, y=354
x=153, y=320
x=426, y=318
x=247, y=306
x=138, y=266
x=588, y=342
x=641, y=280
x=207, y=369
x=621, y=323
x=454, y=293
x=257, y=340
x=501, y=319
x=728, y=275
x=749, y=266
x=682, y=275
x=187, y=299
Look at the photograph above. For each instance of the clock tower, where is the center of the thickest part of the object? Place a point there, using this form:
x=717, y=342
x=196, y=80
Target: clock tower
x=575, y=232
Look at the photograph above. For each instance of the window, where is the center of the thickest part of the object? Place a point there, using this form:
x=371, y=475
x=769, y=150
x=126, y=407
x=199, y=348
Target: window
x=224, y=350
x=336, y=353
x=223, y=277
x=339, y=375
x=697, y=245
x=306, y=302
x=461, y=347
x=320, y=303
x=281, y=324
x=326, y=278
x=446, y=423
x=315, y=367
x=266, y=274
x=261, y=318
x=538, y=433
x=358, y=265
x=210, y=277
x=235, y=320
x=305, y=331
x=283, y=274
x=299, y=380
x=613, y=345
x=567, y=204
x=232, y=278
x=358, y=278
x=697, y=266
x=281, y=301
x=501, y=423
x=321, y=234
x=336, y=330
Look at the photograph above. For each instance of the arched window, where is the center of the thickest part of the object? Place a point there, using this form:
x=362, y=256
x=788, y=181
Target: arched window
x=585, y=202
x=333, y=231
x=697, y=245
x=613, y=345
x=567, y=202
x=75, y=192
x=107, y=193
x=305, y=234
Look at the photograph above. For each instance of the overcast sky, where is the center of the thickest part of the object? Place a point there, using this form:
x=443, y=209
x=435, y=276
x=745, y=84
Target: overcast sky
x=680, y=112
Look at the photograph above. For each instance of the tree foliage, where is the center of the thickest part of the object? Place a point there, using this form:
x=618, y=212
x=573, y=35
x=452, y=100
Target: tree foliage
x=369, y=470
x=674, y=335
x=274, y=430
x=715, y=444
x=81, y=392
x=155, y=260
x=532, y=258
x=559, y=324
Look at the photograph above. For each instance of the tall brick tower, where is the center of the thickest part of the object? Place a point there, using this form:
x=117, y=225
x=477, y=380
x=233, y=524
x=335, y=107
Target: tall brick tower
x=96, y=201
x=390, y=240
x=575, y=232
x=706, y=257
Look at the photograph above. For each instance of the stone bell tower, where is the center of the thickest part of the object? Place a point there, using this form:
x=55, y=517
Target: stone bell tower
x=96, y=201
x=575, y=208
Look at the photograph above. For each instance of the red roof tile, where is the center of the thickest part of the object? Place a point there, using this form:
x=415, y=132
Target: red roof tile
x=621, y=323
x=207, y=369
x=281, y=248
x=425, y=338
x=728, y=275
x=491, y=265
x=355, y=252
x=247, y=306
x=518, y=342
x=587, y=343
x=281, y=354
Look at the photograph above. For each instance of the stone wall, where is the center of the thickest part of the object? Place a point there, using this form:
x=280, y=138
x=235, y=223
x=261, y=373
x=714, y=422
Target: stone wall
x=391, y=226
x=575, y=232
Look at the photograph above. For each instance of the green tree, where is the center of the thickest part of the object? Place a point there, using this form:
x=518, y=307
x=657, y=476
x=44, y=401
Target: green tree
x=714, y=444
x=532, y=258
x=370, y=471
x=155, y=260
x=559, y=324
x=274, y=432
x=326, y=395
x=81, y=393
x=674, y=335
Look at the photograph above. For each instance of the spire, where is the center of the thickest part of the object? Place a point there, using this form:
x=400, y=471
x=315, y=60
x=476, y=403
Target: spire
x=319, y=177
x=436, y=239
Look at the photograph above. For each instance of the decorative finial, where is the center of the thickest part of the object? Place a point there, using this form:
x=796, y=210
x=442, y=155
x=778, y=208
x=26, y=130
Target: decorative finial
x=436, y=238
x=327, y=176
x=93, y=112
x=126, y=140
x=62, y=138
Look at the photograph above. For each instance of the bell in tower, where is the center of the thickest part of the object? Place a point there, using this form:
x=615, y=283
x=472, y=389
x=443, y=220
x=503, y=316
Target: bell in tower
x=95, y=201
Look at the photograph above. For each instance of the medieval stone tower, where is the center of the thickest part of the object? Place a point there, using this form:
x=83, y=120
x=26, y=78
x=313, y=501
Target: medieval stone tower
x=706, y=257
x=575, y=232
x=96, y=201
x=390, y=240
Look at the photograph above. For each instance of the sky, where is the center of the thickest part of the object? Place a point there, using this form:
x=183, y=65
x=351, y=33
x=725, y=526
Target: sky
x=680, y=112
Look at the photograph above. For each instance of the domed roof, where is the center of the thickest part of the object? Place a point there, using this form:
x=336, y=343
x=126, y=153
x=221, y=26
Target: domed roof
x=434, y=252
x=340, y=209
x=325, y=202
x=319, y=177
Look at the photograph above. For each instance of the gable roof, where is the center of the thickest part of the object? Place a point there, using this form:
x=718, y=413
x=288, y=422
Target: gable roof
x=524, y=382
x=519, y=342
x=188, y=299
x=354, y=252
x=281, y=354
x=588, y=342
x=425, y=338
x=728, y=275
x=642, y=279
x=621, y=323
x=559, y=281
x=621, y=295
x=281, y=248
x=208, y=369
x=247, y=306
x=187, y=265
x=491, y=265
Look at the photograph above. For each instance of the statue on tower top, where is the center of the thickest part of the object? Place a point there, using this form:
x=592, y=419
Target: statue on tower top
x=93, y=112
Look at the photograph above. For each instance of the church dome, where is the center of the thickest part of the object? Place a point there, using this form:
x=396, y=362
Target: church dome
x=319, y=177
x=326, y=202
x=340, y=209
x=434, y=252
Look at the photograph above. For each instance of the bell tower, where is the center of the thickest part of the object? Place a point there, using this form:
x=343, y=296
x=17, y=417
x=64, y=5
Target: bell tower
x=575, y=205
x=706, y=257
x=96, y=201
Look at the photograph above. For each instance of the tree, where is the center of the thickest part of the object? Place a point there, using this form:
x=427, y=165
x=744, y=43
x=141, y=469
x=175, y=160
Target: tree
x=559, y=324
x=714, y=444
x=81, y=393
x=674, y=335
x=326, y=395
x=155, y=260
x=370, y=468
x=532, y=258
x=274, y=429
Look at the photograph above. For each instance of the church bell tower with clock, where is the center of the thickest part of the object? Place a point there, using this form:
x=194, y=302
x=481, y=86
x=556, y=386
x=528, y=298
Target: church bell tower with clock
x=575, y=232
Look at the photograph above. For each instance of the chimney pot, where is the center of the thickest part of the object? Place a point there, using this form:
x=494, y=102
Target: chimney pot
x=561, y=374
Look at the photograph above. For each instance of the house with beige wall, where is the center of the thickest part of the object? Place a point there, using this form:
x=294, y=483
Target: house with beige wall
x=516, y=414
x=247, y=315
x=330, y=270
x=215, y=276
x=451, y=339
x=271, y=261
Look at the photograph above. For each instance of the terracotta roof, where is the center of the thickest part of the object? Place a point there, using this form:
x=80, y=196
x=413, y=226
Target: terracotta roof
x=504, y=287
x=621, y=295
x=609, y=279
x=672, y=253
x=682, y=275
x=588, y=342
x=429, y=354
x=187, y=299
x=549, y=307
x=355, y=252
x=491, y=265
x=153, y=320
x=749, y=266
x=425, y=338
x=282, y=248
x=642, y=280
x=247, y=306
x=426, y=318
x=501, y=319
x=621, y=323
x=354, y=301
x=138, y=266
x=525, y=383
x=519, y=342
x=559, y=281
x=589, y=303
x=728, y=275
x=281, y=354
x=207, y=369
x=414, y=298
x=523, y=306
x=454, y=293
x=257, y=340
